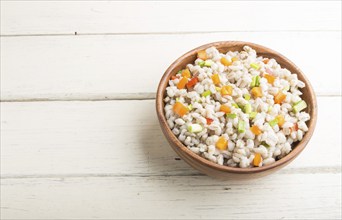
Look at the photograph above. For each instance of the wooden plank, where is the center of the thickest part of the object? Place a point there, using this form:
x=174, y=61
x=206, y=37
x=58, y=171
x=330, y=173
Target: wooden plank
x=289, y=196
x=104, y=67
x=122, y=138
x=20, y=18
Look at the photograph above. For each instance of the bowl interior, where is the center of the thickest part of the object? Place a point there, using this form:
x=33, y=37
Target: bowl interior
x=225, y=46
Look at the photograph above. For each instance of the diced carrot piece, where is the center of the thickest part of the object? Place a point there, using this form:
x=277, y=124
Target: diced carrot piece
x=279, y=98
x=186, y=73
x=257, y=159
x=265, y=61
x=202, y=55
x=192, y=82
x=180, y=109
x=222, y=144
x=225, y=62
x=225, y=109
x=270, y=78
x=234, y=59
x=226, y=90
x=256, y=130
x=256, y=92
x=295, y=127
x=281, y=120
x=182, y=83
x=215, y=78
x=209, y=120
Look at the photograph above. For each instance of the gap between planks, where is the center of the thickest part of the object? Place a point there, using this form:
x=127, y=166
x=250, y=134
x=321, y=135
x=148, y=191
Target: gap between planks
x=86, y=97
x=77, y=33
x=104, y=97
x=306, y=170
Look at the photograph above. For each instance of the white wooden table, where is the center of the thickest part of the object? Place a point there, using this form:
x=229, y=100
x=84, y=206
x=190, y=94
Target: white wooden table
x=79, y=133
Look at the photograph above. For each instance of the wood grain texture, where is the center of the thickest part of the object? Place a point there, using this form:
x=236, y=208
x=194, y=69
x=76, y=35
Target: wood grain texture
x=122, y=138
x=87, y=160
x=288, y=196
x=101, y=67
x=145, y=17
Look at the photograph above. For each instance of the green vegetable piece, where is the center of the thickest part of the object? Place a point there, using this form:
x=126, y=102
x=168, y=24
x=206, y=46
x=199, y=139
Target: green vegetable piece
x=252, y=115
x=257, y=81
x=177, y=99
x=248, y=108
x=253, y=81
x=241, y=126
x=235, y=105
x=231, y=115
x=273, y=122
x=299, y=106
x=195, y=128
x=207, y=63
x=247, y=96
x=265, y=144
x=255, y=66
x=179, y=72
x=201, y=63
x=206, y=93
x=190, y=107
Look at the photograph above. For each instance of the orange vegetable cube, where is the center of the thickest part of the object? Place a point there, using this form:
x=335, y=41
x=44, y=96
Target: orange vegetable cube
x=256, y=92
x=182, y=83
x=180, y=109
x=225, y=109
x=215, y=78
x=202, y=55
x=225, y=62
x=281, y=120
x=234, y=59
x=270, y=78
x=186, y=73
x=265, y=61
x=222, y=144
x=256, y=130
x=226, y=90
x=209, y=120
x=257, y=159
x=279, y=98
x=192, y=82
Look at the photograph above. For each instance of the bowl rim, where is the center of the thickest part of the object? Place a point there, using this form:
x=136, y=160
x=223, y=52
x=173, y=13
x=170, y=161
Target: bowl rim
x=180, y=146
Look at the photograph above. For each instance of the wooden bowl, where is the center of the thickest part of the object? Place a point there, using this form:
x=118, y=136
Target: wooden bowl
x=220, y=171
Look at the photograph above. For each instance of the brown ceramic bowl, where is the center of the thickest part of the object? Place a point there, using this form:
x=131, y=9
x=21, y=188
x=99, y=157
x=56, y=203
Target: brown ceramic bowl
x=220, y=171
